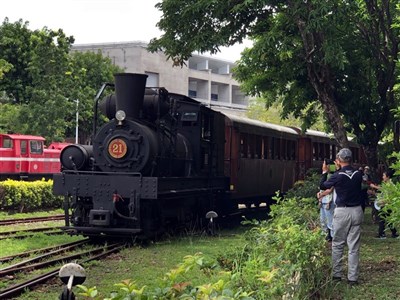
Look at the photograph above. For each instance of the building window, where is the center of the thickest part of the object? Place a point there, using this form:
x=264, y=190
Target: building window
x=192, y=93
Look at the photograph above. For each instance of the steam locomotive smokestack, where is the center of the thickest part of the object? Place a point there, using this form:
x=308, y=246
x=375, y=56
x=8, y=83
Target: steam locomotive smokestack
x=129, y=89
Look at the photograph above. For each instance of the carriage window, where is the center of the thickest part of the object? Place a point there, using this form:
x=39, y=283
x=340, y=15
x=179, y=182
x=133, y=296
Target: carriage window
x=243, y=145
x=258, y=149
x=271, y=153
x=24, y=147
x=321, y=154
x=36, y=147
x=7, y=143
x=332, y=152
x=314, y=151
x=277, y=148
x=265, y=145
x=327, y=152
x=284, y=144
x=291, y=150
x=251, y=146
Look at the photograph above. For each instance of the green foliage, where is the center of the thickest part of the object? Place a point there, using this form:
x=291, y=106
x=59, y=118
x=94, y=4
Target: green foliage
x=43, y=81
x=295, y=265
x=26, y=196
x=273, y=113
x=305, y=189
x=391, y=194
x=4, y=67
x=331, y=58
x=175, y=285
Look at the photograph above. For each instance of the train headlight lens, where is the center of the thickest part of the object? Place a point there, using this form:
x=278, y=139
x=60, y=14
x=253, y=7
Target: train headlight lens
x=120, y=115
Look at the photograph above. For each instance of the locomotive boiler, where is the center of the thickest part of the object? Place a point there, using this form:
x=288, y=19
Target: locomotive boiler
x=156, y=163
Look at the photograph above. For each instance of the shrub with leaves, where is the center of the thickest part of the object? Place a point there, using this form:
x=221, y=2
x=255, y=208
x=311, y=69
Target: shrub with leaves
x=176, y=285
x=391, y=192
x=305, y=189
x=287, y=254
x=25, y=196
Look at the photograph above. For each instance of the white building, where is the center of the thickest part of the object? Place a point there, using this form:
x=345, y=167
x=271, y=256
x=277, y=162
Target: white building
x=203, y=78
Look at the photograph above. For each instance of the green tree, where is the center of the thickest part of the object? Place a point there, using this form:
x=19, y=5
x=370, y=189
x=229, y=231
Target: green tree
x=87, y=72
x=335, y=58
x=44, y=80
x=15, y=51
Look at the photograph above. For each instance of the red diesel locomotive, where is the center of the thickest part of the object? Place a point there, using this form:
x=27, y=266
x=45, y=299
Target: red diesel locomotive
x=26, y=157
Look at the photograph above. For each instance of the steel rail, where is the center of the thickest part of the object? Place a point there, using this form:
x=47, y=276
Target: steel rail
x=31, y=220
x=17, y=289
x=20, y=265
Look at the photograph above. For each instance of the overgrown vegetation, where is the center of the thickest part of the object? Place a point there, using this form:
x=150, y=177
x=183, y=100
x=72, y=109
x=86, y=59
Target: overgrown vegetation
x=391, y=192
x=282, y=257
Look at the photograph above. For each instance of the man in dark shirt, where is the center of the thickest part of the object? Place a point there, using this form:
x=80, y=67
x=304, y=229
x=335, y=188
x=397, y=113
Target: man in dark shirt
x=348, y=214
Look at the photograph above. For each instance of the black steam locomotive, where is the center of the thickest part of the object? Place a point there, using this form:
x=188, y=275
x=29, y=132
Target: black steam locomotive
x=165, y=160
x=157, y=162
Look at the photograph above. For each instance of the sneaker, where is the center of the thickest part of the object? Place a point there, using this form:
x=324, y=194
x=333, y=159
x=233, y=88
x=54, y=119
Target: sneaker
x=382, y=237
x=395, y=236
x=352, y=283
x=335, y=278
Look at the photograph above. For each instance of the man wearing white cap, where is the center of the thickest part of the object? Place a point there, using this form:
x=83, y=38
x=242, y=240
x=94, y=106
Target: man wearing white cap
x=348, y=214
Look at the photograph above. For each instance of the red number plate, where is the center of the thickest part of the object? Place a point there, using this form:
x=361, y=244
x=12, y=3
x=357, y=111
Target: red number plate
x=117, y=148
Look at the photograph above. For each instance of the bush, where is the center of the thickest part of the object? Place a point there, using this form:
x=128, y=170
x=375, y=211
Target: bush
x=25, y=196
x=391, y=192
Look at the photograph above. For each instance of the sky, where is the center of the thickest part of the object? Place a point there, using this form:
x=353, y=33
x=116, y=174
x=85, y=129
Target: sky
x=97, y=21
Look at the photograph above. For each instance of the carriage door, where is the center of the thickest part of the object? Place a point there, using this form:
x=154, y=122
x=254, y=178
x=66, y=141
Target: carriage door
x=24, y=156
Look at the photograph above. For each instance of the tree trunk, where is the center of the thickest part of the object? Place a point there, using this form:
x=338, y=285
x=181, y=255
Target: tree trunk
x=321, y=79
x=371, y=153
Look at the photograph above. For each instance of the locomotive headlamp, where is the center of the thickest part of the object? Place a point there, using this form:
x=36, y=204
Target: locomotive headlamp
x=120, y=115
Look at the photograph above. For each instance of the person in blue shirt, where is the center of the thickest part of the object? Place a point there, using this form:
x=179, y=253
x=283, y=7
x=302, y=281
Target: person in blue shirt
x=348, y=214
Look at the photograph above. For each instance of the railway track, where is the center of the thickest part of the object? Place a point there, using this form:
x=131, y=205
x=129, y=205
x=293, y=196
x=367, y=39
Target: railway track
x=31, y=220
x=37, y=251
x=12, y=271
x=21, y=234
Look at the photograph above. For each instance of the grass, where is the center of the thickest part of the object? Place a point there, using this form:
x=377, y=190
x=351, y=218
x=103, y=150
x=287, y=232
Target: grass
x=37, y=241
x=147, y=265
x=379, y=265
x=17, y=215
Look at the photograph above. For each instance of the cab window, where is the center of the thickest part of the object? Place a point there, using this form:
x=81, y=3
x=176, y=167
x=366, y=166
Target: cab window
x=7, y=143
x=36, y=147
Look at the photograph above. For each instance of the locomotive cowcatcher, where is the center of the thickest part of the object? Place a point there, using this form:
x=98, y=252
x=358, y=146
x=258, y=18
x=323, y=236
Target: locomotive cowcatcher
x=157, y=163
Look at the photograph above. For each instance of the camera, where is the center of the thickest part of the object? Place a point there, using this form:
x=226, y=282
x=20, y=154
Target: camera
x=331, y=164
x=329, y=161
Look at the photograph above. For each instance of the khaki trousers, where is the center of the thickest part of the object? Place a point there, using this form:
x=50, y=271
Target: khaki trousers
x=347, y=223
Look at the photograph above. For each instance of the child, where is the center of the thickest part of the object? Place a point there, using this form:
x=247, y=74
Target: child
x=327, y=206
